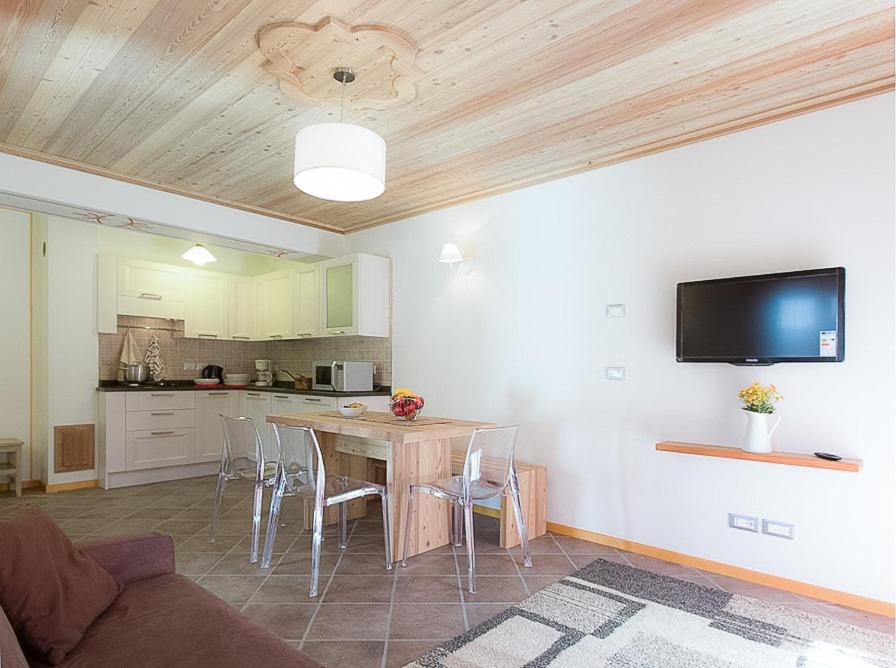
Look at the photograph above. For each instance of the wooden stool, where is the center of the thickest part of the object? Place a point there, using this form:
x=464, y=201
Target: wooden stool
x=13, y=448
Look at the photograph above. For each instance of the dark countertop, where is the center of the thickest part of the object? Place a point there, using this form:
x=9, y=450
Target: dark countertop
x=190, y=386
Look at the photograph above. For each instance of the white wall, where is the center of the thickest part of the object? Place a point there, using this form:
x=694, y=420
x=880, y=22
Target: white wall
x=30, y=178
x=15, y=245
x=524, y=339
x=73, y=342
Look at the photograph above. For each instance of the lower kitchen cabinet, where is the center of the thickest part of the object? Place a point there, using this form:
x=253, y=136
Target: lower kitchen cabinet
x=210, y=406
x=145, y=437
x=257, y=405
x=156, y=448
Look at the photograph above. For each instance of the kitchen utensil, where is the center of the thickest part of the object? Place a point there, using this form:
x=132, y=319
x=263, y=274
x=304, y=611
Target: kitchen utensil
x=301, y=382
x=136, y=373
x=350, y=412
x=206, y=382
x=214, y=371
x=236, y=378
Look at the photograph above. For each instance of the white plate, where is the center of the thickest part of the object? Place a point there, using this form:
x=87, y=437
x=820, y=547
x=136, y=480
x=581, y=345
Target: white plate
x=206, y=381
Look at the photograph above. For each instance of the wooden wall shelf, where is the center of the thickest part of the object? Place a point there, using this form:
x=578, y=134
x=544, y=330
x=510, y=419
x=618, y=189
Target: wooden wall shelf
x=790, y=458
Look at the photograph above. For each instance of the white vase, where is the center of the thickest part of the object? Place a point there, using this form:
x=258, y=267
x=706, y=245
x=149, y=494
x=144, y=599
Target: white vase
x=758, y=437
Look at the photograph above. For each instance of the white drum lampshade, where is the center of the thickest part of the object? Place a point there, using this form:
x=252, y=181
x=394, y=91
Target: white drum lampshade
x=342, y=162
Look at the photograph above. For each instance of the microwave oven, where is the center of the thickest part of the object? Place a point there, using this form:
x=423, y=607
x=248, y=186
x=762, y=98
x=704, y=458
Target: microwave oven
x=342, y=376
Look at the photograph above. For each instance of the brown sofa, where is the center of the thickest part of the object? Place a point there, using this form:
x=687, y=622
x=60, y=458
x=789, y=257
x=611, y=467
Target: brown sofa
x=165, y=619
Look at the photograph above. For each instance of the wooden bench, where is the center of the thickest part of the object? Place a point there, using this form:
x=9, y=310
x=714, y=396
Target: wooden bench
x=13, y=448
x=533, y=479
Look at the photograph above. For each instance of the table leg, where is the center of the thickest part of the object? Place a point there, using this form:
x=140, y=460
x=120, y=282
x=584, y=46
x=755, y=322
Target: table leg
x=411, y=463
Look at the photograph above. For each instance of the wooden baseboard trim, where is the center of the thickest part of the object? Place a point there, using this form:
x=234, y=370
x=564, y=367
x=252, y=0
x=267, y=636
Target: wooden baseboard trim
x=785, y=584
x=485, y=510
x=69, y=486
x=26, y=484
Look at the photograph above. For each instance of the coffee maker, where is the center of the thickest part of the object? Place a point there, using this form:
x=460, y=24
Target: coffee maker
x=263, y=375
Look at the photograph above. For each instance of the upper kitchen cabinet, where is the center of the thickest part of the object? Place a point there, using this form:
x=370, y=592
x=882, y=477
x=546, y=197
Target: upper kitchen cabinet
x=243, y=309
x=355, y=295
x=208, y=305
x=275, y=296
x=306, y=303
x=149, y=289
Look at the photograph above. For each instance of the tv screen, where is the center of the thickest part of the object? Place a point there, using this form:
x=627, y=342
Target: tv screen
x=795, y=316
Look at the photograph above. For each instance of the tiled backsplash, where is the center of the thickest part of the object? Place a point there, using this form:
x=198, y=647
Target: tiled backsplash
x=238, y=356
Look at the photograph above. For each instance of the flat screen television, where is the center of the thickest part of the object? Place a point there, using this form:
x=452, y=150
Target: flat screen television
x=796, y=316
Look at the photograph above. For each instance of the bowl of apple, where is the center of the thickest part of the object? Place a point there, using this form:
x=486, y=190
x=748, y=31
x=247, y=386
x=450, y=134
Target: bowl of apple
x=406, y=404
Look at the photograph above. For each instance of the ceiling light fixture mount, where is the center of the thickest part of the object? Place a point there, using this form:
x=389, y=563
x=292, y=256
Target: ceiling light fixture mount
x=341, y=162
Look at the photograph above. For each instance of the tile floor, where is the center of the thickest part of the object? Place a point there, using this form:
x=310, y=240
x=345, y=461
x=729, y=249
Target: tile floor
x=363, y=616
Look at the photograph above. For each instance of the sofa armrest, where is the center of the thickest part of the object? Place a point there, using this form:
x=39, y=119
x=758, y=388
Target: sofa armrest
x=134, y=558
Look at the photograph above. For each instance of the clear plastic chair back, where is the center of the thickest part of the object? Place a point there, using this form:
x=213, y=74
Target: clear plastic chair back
x=301, y=457
x=487, y=466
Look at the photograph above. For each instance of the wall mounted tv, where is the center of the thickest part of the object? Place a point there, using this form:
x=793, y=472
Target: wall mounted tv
x=797, y=316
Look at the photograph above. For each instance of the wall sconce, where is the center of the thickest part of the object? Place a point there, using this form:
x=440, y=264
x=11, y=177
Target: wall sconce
x=452, y=256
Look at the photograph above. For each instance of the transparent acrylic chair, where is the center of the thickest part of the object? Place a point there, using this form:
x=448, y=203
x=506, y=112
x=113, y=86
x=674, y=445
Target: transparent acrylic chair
x=243, y=457
x=301, y=473
x=488, y=470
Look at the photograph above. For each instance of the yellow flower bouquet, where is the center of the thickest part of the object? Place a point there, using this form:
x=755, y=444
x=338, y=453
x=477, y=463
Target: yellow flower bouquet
x=759, y=398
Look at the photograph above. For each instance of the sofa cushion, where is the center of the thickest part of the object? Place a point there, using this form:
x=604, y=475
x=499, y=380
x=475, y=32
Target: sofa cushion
x=171, y=621
x=10, y=653
x=50, y=590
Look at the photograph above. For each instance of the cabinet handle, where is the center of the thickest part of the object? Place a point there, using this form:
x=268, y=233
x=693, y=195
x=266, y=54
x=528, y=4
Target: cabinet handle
x=208, y=336
x=317, y=401
x=219, y=394
x=276, y=336
x=337, y=331
x=252, y=394
x=161, y=394
x=150, y=295
x=161, y=433
x=281, y=396
x=165, y=413
x=240, y=338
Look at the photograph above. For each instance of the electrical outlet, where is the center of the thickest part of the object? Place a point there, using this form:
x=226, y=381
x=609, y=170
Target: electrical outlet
x=743, y=522
x=615, y=373
x=778, y=529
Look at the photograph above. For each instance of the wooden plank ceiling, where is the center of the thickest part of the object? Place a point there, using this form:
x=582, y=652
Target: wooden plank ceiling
x=172, y=93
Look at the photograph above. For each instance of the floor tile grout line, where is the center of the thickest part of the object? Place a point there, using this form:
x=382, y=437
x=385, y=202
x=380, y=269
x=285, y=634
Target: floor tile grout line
x=385, y=657
x=322, y=594
x=563, y=552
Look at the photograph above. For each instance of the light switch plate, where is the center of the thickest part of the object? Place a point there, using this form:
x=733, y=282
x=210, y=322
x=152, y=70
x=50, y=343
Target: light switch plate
x=778, y=529
x=615, y=310
x=615, y=372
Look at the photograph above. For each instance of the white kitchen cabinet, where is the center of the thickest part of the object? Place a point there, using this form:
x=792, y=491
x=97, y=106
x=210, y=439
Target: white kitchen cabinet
x=306, y=303
x=354, y=295
x=207, y=308
x=310, y=404
x=210, y=405
x=257, y=405
x=275, y=296
x=150, y=289
x=159, y=447
x=243, y=308
x=282, y=404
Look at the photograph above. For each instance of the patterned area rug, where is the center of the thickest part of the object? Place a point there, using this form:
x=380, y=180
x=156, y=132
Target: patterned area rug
x=609, y=614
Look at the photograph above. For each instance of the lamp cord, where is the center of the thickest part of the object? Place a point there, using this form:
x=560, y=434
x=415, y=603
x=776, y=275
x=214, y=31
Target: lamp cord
x=342, y=103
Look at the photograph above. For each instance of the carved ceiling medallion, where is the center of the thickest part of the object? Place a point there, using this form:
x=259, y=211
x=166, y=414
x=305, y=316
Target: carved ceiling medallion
x=303, y=57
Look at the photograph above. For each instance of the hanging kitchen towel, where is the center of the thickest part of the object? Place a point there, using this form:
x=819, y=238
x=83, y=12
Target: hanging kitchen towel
x=129, y=353
x=153, y=358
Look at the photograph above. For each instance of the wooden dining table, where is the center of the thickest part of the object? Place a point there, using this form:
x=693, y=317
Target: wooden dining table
x=413, y=452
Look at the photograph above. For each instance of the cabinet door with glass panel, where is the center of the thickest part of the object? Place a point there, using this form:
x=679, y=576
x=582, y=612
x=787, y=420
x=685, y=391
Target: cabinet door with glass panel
x=354, y=295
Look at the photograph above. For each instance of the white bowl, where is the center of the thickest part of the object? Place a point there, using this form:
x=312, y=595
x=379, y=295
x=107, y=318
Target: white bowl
x=347, y=411
x=236, y=378
x=206, y=381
